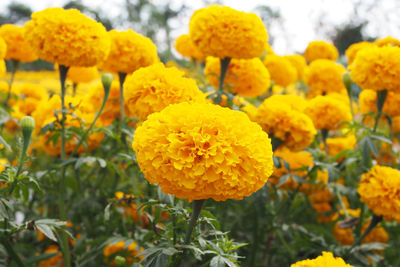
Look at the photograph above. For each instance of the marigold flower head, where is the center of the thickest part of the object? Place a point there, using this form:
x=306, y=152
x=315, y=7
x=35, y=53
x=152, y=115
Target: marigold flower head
x=377, y=68
x=338, y=144
x=247, y=77
x=28, y=97
x=67, y=37
x=324, y=76
x=353, y=49
x=17, y=47
x=130, y=252
x=153, y=88
x=321, y=50
x=327, y=112
x=56, y=260
x=268, y=50
x=345, y=235
x=294, y=101
x=3, y=48
x=379, y=189
x=326, y=260
x=281, y=70
x=299, y=62
x=291, y=126
x=387, y=41
x=185, y=47
x=368, y=99
x=129, y=52
x=222, y=32
x=82, y=74
x=211, y=152
x=3, y=162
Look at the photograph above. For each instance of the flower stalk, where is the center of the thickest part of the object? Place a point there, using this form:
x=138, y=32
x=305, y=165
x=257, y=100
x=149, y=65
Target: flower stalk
x=224, y=68
x=374, y=222
x=381, y=97
x=15, y=64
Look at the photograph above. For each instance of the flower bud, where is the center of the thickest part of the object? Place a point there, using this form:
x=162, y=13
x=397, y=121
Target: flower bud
x=119, y=260
x=107, y=79
x=347, y=80
x=27, y=124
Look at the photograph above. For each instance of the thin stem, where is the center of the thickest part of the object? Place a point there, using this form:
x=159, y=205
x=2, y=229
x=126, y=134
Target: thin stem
x=324, y=135
x=11, y=252
x=15, y=64
x=381, y=97
x=122, y=77
x=224, y=63
x=63, y=70
x=74, y=87
x=374, y=222
x=197, y=206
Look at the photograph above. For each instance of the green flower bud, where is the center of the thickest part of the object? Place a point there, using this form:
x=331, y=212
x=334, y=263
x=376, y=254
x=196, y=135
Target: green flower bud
x=347, y=80
x=27, y=124
x=119, y=260
x=107, y=79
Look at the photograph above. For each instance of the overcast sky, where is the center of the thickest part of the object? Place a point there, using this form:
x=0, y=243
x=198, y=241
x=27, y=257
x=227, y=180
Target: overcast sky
x=302, y=20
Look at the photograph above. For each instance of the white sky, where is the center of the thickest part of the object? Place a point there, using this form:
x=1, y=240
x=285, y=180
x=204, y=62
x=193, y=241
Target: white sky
x=302, y=20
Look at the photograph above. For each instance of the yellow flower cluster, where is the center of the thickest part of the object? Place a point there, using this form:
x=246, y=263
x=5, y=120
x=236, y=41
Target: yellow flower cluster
x=324, y=76
x=325, y=260
x=294, y=101
x=353, y=49
x=387, y=41
x=129, y=252
x=153, y=88
x=222, y=32
x=368, y=99
x=339, y=144
x=327, y=112
x=56, y=260
x=377, y=68
x=129, y=52
x=3, y=48
x=345, y=235
x=247, y=77
x=321, y=50
x=67, y=37
x=281, y=70
x=17, y=47
x=286, y=123
x=185, y=47
x=299, y=62
x=28, y=97
x=210, y=152
x=379, y=189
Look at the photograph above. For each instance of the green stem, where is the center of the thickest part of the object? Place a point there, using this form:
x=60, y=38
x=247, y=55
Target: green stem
x=74, y=87
x=381, y=97
x=62, y=186
x=374, y=222
x=122, y=77
x=256, y=233
x=224, y=63
x=324, y=135
x=360, y=220
x=11, y=252
x=15, y=64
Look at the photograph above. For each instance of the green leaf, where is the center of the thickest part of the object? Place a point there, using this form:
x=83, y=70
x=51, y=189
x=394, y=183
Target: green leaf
x=217, y=261
x=5, y=144
x=46, y=230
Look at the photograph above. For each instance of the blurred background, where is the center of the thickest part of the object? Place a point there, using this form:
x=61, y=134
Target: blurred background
x=291, y=24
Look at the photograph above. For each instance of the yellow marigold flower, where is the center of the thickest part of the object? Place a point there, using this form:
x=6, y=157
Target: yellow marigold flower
x=129, y=52
x=338, y=144
x=153, y=88
x=326, y=260
x=247, y=77
x=3, y=69
x=324, y=76
x=281, y=70
x=299, y=62
x=291, y=126
x=379, y=189
x=321, y=50
x=387, y=41
x=222, y=32
x=56, y=260
x=67, y=37
x=130, y=252
x=368, y=99
x=17, y=47
x=210, y=152
x=82, y=74
x=296, y=160
x=396, y=124
x=352, y=50
x=28, y=97
x=294, y=101
x=3, y=48
x=345, y=235
x=3, y=162
x=185, y=47
x=268, y=50
x=327, y=112
x=377, y=68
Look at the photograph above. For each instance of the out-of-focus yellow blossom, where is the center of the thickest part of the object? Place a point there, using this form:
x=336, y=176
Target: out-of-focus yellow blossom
x=339, y=144
x=223, y=32
x=327, y=112
x=82, y=74
x=396, y=124
x=130, y=252
x=129, y=52
x=379, y=189
x=3, y=162
x=321, y=50
x=299, y=62
x=353, y=49
x=153, y=88
x=324, y=76
x=294, y=101
x=368, y=99
x=247, y=77
x=281, y=70
x=268, y=50
x=56, y=260
x=280, y=120
x=67, y=37
x=210, y=152
x=3, y=48
x=185, y=47
x=387, y=41
x=326, y=260
x=377, y=68
x=17, y=47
